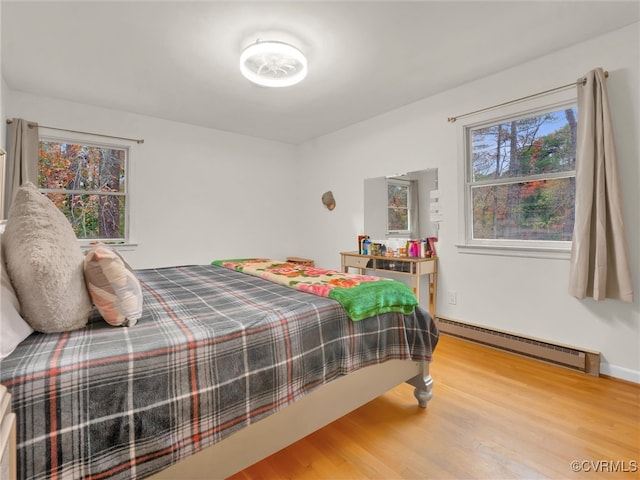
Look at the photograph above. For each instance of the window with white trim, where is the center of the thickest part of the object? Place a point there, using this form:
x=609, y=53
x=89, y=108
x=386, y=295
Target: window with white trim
x=88, y=183
x=520, y=180
x=398, y=207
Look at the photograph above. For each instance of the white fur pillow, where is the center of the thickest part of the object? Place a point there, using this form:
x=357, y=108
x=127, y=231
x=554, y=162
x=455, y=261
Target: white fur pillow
x=113, y=286
x=44, y=261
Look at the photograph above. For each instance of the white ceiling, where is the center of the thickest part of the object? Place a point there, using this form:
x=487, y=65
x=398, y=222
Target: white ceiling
x=179, y=60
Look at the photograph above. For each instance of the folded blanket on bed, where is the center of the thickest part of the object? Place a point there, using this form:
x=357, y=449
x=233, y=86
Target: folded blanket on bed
x=361, y=296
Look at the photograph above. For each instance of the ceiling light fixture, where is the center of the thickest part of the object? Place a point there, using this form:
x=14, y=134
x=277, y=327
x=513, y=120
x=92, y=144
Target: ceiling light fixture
x=273, y=64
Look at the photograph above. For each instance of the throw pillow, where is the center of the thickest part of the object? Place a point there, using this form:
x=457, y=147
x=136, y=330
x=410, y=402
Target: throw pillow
x=44, y=261
x=13, y=327
x=113, y=286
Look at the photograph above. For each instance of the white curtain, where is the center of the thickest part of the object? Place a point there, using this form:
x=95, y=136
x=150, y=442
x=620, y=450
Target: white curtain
x=599, y=261
x=22, y=158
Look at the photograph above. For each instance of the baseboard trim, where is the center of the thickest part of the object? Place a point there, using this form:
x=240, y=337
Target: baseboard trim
x=576, y=358
x=620, y=373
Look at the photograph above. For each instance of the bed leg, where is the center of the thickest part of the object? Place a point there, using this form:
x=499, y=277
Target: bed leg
x=424, y=385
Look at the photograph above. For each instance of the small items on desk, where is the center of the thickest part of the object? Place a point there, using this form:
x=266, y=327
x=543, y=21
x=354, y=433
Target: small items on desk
x=397, y=247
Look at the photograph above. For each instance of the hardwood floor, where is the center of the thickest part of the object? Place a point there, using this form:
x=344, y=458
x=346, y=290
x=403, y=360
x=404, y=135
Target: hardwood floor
x=494, y=415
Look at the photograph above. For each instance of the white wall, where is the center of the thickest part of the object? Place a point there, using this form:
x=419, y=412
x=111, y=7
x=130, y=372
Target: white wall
x=197, y=194
x=3, y=126
x=2, y=91
x=522, y=295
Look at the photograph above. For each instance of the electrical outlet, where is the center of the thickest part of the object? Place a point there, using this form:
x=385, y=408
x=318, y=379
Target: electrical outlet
x=453, y=297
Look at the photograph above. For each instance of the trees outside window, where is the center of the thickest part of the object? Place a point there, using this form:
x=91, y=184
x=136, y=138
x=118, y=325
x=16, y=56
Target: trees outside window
x=398, y=206
x=88, y=184
x=521, y=178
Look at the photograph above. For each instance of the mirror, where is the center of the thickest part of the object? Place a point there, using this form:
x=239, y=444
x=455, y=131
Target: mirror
x=422, y=182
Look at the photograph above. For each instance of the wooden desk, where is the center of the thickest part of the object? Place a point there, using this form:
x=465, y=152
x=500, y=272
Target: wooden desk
x=413, y=267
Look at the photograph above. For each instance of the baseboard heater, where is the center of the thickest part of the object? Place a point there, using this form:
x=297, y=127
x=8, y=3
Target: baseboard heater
x=586, y=361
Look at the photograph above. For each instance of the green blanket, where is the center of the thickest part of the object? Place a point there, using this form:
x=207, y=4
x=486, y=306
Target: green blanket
x=361, y=296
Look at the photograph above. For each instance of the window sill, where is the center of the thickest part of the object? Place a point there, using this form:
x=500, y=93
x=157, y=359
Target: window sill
x=125, y=247
x=516, y=251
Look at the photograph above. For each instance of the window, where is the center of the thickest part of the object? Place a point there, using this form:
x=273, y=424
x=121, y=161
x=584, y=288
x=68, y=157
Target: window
x=520, y=185
x=398, y=206
x=88, y=183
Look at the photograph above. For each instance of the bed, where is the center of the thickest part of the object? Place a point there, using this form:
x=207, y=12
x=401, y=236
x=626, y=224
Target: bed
x=218, y=362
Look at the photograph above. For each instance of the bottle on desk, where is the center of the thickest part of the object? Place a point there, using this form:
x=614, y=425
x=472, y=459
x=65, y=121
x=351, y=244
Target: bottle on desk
x=361, y=238
x=366, y=246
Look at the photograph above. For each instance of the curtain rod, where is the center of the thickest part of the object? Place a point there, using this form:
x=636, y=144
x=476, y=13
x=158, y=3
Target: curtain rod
x=533, y=95
x=9, y=121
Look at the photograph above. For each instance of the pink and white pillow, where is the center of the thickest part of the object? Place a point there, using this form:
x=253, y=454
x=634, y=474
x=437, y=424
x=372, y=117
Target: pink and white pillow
x=113, y=286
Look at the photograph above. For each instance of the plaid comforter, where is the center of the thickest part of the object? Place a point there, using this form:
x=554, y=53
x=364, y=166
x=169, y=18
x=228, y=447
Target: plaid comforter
x=214, y=351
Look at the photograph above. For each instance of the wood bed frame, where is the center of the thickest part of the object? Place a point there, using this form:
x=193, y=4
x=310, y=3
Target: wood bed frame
x=257, y=441
x=7, y=437
x=312, y=412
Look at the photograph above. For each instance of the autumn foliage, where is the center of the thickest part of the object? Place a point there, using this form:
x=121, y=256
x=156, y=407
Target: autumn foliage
x=523, y=178
x=87, y=184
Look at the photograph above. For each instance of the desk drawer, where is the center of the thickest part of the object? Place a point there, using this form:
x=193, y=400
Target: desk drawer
x=356, y=262
x=426, y=267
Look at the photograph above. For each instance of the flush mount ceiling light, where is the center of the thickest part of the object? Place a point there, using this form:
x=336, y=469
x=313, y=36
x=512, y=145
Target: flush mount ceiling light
x=273, y=64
